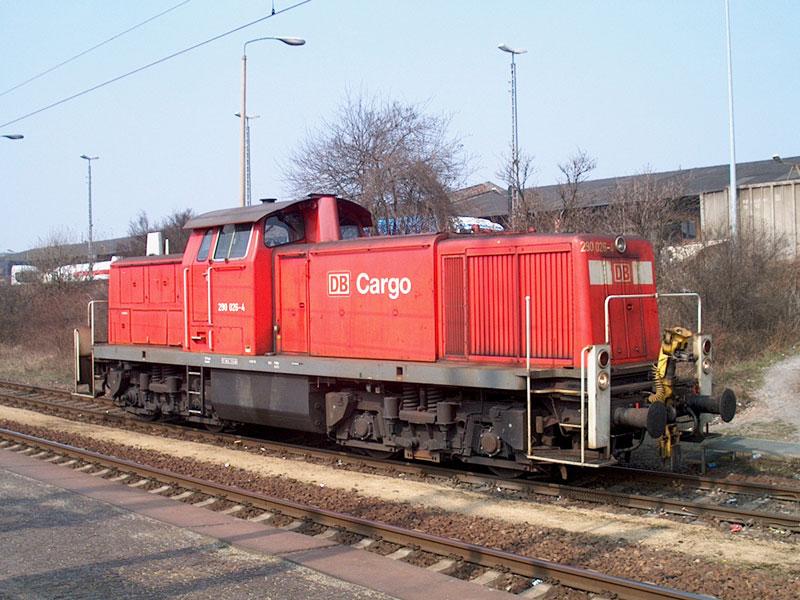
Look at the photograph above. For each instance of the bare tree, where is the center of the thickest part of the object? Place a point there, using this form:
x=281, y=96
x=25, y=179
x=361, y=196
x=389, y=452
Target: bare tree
x=572, y=214
x=390, y=157
x=649, y=207
x=55, y=250
x=524, y=202
x=170, y=226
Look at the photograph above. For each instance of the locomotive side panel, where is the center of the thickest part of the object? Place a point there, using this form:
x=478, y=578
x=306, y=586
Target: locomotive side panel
x=633, y=327
x=374, y=300
x=483, y=289
x=145, y=302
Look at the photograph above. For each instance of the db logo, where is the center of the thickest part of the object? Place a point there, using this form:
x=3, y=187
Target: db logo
x=622, y=273
x=339, y=283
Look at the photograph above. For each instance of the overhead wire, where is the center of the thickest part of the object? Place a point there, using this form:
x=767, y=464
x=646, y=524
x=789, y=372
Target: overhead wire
x=95, y=47
x=152, y=64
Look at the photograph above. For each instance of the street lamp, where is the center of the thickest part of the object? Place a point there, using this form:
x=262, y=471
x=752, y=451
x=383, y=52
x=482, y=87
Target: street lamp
x=89, y=160
x=289, y=41
x=514, y=123
x=13, y=136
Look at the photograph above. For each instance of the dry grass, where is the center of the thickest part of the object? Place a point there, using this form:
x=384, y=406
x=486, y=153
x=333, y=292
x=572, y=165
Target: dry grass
x=48, y=368
x=36, y=324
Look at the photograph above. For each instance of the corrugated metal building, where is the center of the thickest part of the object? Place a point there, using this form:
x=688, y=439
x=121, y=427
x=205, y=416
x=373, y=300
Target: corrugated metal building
x=769, y=208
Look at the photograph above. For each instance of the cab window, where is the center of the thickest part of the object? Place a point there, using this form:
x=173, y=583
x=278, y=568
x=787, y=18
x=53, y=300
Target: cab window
x=349, y=229
x=205, y=245
x=284, y=229
x=233, y=241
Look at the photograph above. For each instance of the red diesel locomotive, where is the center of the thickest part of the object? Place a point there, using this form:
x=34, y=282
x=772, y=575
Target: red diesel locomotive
x=513, y=351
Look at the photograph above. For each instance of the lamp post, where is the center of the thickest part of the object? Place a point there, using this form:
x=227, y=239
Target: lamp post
x=733, y=196
x=289, y=41
x=89, y=160
x=13, y=136
x=514, y=122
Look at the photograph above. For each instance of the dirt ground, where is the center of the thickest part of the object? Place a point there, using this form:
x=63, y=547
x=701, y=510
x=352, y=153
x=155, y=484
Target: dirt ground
x=775, y=412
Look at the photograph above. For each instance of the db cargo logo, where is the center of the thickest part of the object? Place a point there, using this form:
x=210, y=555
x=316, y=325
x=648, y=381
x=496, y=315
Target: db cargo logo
x=393, y=287
x=339, y=284
x=622, y=272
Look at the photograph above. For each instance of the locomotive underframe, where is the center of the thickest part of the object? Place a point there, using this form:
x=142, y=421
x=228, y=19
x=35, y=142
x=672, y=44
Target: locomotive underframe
x=482, y=424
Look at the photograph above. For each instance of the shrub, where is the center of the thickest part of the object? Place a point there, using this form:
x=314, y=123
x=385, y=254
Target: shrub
x=750, y=292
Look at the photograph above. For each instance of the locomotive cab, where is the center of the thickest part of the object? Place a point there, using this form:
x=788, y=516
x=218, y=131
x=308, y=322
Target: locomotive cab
x=229, y=258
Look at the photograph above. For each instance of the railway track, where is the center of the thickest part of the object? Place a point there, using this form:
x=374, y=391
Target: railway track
x=570, y=576
x=788, y=497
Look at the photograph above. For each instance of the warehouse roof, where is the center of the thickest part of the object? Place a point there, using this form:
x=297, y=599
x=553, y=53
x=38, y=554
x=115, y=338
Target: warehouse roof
x=488, y=199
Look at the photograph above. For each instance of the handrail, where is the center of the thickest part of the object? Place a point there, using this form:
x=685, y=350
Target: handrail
x=584, y=351
x=528, y=368
x=227, y=267
x=90, y=316
x=185, y=308
x=208, y=291
x=656, y=296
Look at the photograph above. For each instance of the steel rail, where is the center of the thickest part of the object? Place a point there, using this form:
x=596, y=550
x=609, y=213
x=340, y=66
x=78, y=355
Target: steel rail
x=570, y=576
x=776, y=491
x=584, y=494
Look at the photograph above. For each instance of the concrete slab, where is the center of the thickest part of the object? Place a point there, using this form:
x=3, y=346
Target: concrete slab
x=750, y=447
x=103, y=511
x=61, y=544
x=397, y=578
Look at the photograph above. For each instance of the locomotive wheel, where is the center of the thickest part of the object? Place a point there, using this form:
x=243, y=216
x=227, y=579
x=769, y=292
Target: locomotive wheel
x=147, y=418
x=379, y=454
x=216, y=427
x=507, y=473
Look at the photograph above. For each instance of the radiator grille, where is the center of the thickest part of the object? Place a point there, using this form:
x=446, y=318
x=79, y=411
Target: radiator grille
x=488, y=318
x=454, y=309
x=493, y=305
x=547, y=278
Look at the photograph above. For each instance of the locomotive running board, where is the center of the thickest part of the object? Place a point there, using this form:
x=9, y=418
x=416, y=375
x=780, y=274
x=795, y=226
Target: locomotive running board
x=429, y=373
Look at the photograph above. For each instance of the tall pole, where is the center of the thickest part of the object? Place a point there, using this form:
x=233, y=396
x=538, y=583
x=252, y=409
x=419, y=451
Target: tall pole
x=89, y=160
x=514, y=121
x=733, y=194
x=249, y=170
x=243, y=114
x=514, y=127
x=249, y=183
x=289, y=41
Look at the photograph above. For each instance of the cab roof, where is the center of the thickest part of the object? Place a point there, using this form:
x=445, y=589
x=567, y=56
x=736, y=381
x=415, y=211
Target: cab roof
x=251, y=214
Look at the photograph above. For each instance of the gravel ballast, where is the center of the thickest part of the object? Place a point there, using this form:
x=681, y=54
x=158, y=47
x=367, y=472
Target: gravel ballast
x=623, y=557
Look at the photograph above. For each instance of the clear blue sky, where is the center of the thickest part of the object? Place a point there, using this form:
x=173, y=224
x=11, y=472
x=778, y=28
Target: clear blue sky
x=635, y=83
